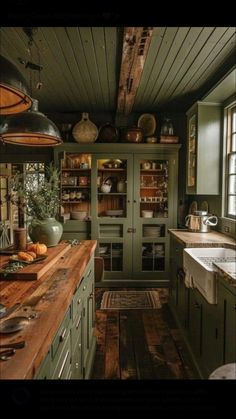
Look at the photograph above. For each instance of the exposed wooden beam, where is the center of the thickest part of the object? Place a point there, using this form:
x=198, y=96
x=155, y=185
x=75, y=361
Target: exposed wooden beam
x=136, y=41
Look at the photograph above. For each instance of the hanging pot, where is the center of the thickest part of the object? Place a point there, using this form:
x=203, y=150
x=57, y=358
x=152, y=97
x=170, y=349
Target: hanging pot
x=85, y=131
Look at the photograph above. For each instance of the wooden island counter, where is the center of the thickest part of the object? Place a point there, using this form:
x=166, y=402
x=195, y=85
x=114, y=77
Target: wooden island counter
x=59, y=342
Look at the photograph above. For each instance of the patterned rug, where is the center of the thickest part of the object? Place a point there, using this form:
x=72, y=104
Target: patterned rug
x=125, y=300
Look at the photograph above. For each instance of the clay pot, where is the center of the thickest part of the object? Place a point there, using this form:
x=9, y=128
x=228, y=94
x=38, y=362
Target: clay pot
x=134, y=135
x=108, y=133
x=85, y=131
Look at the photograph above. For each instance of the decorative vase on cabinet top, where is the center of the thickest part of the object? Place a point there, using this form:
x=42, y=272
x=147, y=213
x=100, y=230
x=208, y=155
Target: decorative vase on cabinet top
x=85, y=131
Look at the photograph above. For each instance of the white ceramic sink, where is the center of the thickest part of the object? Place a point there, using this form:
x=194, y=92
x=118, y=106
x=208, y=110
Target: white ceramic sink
x=198, y=262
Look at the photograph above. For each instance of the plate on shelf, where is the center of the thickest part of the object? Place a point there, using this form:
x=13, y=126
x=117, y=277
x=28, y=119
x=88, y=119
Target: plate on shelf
x=193, y=207
x=147, y=123
x=204, y=206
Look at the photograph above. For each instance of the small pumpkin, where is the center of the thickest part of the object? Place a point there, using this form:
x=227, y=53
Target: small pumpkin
x=38, y=248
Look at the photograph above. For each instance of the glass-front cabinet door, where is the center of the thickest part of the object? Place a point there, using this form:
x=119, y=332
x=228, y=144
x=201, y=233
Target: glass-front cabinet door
x=192, y=152
x=152, y=214
x=76, y=186
x=112, y=212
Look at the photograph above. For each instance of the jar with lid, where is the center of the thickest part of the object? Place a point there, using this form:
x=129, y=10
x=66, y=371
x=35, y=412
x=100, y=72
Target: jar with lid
x=167, y=127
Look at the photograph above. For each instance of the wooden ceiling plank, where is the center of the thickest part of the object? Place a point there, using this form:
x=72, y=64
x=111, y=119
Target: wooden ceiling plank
x=169, y=63
x=155, y=45
x=98, y=36
x=196, y=44
x=74, y=35
x=178, y=62
x=220, y=50
x=136, y=41
x=111, y=41
x=70, y=65
x=57, y=69
x=163, y=50
x=199, y=58
x=89, y=52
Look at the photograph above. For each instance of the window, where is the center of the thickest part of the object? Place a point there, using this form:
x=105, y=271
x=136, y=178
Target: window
x=231, y=163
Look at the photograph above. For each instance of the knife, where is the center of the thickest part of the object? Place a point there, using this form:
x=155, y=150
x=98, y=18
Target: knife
x=9, y=310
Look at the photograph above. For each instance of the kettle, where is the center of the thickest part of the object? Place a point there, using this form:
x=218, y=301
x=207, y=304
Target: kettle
x=200, y=221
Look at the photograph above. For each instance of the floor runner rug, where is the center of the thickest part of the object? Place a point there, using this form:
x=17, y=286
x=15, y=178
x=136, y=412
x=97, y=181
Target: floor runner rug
x=125, y=300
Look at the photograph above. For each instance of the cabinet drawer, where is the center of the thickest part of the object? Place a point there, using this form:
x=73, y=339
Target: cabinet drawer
x=45, y=368
x=63, y=365
x=61, y=335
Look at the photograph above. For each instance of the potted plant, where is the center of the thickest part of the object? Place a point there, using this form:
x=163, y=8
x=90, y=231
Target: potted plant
x=41, y=203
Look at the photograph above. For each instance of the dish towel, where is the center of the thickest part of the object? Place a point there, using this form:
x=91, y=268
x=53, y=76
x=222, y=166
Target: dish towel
x=188, y=279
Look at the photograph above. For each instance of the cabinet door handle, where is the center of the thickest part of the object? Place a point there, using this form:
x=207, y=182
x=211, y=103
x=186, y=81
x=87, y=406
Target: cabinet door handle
x=135, y=201
x=91, y=295
x=79, y=301
x=63, y=364
x=128, y=201
x=196, y=305
x=84, y=287
x=63, y=334
x=129, y=230
x=89, y=273
x=78, y=323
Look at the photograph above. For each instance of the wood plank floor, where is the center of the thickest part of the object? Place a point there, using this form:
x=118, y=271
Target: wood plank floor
x=139, y=344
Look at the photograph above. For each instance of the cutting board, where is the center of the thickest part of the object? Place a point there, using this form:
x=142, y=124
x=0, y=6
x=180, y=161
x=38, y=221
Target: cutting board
x=36, y=270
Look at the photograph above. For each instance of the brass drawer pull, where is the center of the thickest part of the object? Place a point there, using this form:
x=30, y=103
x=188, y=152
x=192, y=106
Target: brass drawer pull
x=63, y=364
x=79, y=301
x=84, y=287
x=91, y=295
x=63, y=334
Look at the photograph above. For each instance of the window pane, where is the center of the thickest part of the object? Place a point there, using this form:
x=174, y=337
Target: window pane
x=233, y=144
x=232, y=205
x=232, y=184
x=234, y=120
x=232, y=163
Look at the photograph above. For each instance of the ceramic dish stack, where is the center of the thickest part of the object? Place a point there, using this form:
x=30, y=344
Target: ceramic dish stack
x=151, y=231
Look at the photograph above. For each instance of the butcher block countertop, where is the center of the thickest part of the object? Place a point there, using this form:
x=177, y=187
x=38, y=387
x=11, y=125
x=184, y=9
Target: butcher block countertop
x=51, y=308
x=211, y=239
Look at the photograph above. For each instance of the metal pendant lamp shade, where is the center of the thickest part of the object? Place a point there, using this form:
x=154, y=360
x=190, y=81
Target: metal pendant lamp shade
x=14, y=91
x=31, y=128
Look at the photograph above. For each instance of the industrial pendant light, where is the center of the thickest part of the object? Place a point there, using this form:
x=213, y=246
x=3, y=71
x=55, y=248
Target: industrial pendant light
x=14, y=91
x=31, y=128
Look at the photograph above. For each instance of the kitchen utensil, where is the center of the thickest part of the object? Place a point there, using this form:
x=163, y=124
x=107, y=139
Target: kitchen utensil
x=14, y=324
x=200, y=223
x=112, y=164
x=15, y=345
x=7, y=354
x=9, y=311
x=78, y=215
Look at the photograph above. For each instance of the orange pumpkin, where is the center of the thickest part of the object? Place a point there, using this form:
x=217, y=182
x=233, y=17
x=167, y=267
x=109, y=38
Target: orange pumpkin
x=38, y=248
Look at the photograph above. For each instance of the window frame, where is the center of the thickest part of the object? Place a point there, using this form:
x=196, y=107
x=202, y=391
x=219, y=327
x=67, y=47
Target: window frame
x=229, y=152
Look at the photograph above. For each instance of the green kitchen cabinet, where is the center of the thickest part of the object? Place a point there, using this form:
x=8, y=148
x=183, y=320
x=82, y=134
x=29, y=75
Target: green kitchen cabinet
x=227, y=323
x=72, y=350
x=203, y=140
x=130, y=204
x=179, y=293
